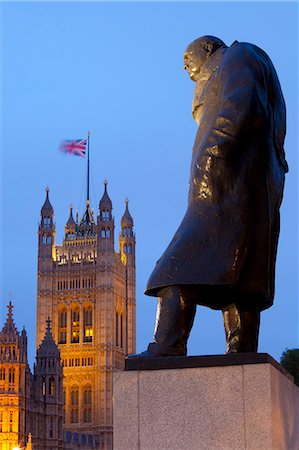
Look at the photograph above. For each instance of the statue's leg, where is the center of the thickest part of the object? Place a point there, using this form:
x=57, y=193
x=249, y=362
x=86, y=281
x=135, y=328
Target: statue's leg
x=174, y=320
x=241, y=326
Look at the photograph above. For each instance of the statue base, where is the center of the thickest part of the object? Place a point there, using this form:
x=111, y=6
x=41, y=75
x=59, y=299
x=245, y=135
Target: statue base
x=222, y=402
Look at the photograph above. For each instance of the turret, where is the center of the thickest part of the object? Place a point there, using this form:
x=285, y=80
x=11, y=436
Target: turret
x=46, y=229
x=48, y=376
x=127, y=238
x=48, y=370
x=105, y=223
x=13, y=344
x=127, y=244
x=70, y=227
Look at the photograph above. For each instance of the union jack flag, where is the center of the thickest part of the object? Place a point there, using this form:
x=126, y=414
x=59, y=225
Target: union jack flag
x=74, y=147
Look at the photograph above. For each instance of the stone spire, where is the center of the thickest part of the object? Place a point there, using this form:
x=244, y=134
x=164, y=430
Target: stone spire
x=9, y=333
x=127, y=220
x=48, y=347
x=71, y=222
x=105, y=202
x=47, y=207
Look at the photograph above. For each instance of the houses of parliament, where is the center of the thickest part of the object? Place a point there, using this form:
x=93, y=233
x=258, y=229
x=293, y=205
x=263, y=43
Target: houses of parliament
x=85, y=327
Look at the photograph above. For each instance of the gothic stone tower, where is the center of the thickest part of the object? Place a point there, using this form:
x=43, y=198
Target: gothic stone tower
x=14, y=385
x=88, y=290
x=47, y=398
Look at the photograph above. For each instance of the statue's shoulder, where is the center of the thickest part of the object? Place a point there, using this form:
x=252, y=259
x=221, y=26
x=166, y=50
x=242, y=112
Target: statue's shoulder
x=246, y=51
x=245, y=55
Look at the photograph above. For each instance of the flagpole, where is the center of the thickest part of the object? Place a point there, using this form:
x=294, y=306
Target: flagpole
x=88, y=134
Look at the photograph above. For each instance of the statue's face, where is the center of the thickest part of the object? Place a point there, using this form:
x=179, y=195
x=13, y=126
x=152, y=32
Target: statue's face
x=193, y=62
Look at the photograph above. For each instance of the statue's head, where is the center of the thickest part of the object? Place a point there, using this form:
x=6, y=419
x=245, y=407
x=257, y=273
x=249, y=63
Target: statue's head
x=198, y=52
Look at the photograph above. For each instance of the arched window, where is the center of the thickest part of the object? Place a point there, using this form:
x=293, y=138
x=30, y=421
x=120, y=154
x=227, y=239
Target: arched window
x=46, y=221
x=75, y=329
x=87, y=404
x=74, y=404
x=88, y=327
x=116, y=329
x=121, y=331
x=11, y=375
x=129, y=248
x=51, y=386
x=64, y=403
x=103, y=233
x=127, y=231
x=125, y=248
x=108, y=233
x=44, y=239
x=105, y=215
x=44, y=387
x=62, y=326
x=10, y=422
x=51, y=428
x=49, y=239
x=2, y=373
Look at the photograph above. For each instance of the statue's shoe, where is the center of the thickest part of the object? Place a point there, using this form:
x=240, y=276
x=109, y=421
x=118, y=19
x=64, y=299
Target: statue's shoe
x=155, y=350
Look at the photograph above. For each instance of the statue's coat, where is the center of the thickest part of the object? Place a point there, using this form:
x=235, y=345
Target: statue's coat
x=228, y=236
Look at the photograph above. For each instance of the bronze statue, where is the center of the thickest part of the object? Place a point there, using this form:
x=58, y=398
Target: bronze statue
x=223, y=253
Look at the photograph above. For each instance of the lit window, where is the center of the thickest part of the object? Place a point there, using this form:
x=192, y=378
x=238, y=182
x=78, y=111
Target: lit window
x=2, y=373
x=62, y=323
x=11, y=375
x=44, y=387
x=10, y=422
x=75, y=329
x=88, y=330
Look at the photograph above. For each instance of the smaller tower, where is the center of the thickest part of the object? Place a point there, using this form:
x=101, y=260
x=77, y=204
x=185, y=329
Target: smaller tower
x=46, y=256
x=127, y=238
x=127, y=245
x=46, y=229
x=47, y=395
x=70, y=227
x=14, y=379
x=105, y=224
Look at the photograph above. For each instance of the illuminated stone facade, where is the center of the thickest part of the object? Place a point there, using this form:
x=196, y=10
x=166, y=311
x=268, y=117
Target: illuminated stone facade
x=30, y=405
x=88, y=290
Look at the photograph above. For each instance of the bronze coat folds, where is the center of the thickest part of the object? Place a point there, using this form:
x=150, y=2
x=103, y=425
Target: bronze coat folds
x=227, y=241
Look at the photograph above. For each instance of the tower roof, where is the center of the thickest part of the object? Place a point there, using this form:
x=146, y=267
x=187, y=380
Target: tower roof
x=47, y=207
x=86, y=226
x=127, y=220
x=105, y=202
x=9, y=331
x=48, y=347
x=71, y=223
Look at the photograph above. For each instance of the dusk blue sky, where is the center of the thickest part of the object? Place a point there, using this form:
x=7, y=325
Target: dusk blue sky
x=116, y=69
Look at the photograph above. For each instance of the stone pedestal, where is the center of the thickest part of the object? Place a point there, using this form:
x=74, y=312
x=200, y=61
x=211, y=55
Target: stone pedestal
x=225, y=402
